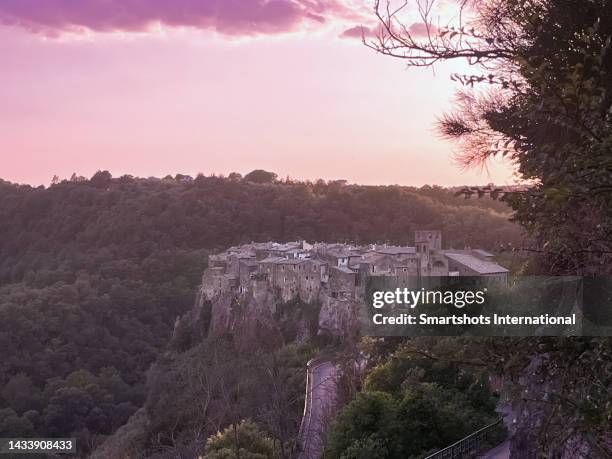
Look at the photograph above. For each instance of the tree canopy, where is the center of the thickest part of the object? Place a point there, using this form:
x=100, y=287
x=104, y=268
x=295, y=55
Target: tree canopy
x=541, y=96
x=411, y=406
x=93, y=274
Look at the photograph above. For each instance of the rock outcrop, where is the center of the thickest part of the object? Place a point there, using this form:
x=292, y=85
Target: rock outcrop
x=530, y=413
x=258, y=315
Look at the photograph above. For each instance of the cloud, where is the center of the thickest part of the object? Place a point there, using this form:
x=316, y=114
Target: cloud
x=230, y=17
x=416, y=30
x=355, y=32
x=359, y=31
x=421, y=30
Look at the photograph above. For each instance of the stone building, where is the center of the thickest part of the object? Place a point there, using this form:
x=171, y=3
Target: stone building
x=341, y=271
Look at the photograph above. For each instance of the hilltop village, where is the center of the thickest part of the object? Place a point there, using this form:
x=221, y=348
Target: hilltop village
x=340, y=271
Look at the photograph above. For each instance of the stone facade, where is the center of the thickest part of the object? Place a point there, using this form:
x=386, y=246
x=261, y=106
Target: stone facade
x=341, y=271
x=247, y=287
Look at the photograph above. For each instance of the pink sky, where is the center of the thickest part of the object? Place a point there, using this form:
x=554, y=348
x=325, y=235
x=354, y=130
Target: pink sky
x=215, y=86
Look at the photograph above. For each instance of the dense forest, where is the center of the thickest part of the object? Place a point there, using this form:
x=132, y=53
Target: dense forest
x=412, y=405
x=94, y=272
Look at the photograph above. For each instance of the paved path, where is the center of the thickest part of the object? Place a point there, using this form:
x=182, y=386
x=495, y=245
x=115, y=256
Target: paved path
x=499, y=452
x=319, y=406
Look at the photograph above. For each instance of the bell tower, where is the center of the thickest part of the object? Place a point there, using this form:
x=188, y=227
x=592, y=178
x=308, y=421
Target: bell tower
x=432, y=238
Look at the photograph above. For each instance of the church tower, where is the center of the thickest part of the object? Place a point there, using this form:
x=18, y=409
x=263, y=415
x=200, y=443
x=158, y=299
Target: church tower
x=431, y=238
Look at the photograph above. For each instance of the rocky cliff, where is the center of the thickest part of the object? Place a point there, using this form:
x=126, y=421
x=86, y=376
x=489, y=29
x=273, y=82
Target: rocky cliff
x=533, y=405
x=260, y=315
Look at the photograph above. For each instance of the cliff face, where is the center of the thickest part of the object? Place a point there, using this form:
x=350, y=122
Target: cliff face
x=339, y=317
x=247, y=316
x=261, y=315
x=530, y=404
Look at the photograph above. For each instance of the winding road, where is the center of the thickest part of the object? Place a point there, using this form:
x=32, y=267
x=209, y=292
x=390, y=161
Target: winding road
x=321, y=392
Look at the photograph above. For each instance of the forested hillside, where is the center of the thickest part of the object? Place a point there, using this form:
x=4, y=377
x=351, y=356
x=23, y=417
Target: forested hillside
x=94, y=272
x=412, y=405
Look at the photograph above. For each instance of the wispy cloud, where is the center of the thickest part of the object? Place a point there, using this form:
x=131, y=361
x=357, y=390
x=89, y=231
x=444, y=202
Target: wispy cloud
x=356, y=32
x=416, y=30
x=420, y=29
x=230, y=17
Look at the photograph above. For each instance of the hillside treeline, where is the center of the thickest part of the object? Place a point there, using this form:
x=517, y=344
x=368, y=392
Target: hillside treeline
x=93, y=274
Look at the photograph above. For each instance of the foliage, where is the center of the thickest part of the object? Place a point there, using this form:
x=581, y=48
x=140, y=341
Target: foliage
x=540, y=96
x=568, y=381
x=546, y=105
x=196, y=393
x=295, y=316
x=368, y=448
x=93, y=273
x=240, y=441
x=411, y=405
x=260, y=176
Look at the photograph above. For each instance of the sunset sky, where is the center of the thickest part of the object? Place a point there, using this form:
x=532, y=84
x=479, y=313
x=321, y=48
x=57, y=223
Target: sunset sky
x=215, y=86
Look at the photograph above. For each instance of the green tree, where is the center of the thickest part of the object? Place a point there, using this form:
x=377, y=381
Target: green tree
x=548, y=65
x=370, y=414
x=92, y=280
x=260, y=176
x=101, y=179
x=13, y=425
x=367, y=448
x=541, y=96
x=244, y=440
x=21, y=394
x=413, y=401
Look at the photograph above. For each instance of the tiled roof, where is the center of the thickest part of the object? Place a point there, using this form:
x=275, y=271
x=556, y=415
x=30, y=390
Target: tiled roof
x=316, y=261
x=482, y=253
x=250, y=262
x=272, y=260
x=286, y=247
x=373, y=257
x=244, y=255
x=261, y=245
x=476, y=264
x=344, y=269
x=395, y=250
x=293, y=261
x=339, y=253
x=478, y=260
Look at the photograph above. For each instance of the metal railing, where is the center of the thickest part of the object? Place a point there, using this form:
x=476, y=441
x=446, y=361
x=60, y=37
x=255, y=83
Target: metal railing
x=467, y=445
